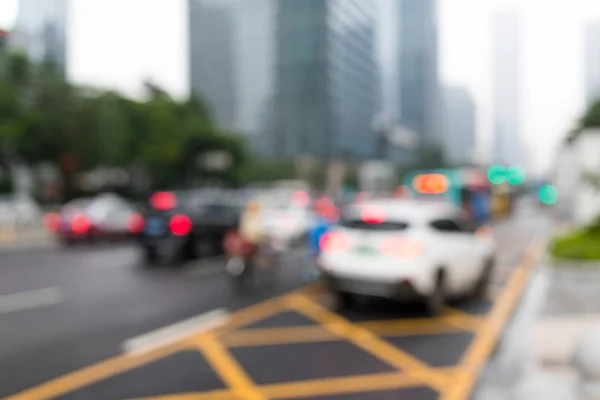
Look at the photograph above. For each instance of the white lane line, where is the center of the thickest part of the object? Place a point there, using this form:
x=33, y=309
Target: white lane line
x=178, y=331
x=31, y=299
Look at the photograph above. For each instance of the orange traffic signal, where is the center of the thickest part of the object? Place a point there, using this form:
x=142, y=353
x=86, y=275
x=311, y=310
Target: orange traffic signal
x=431, y=183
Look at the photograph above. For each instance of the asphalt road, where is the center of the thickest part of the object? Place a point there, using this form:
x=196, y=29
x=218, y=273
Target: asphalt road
x=64, y=311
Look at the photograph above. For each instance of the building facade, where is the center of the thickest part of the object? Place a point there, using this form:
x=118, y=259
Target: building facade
x=418, y=93
x=212, y=57
x=327, y=85
x=592, y=62
x=41, y=31
x=459, y=125
x=506, y=84
x=254, y=69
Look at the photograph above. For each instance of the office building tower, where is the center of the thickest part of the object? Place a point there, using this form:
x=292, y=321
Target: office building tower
x=459, y=125
x=419, y=98
x=327, y=79
x=41, y=31
x=254, y=34
x=212, y=57
x=506, y=75
x=592, y=62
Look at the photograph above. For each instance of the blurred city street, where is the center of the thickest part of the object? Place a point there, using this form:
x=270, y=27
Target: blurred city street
x=64, y=340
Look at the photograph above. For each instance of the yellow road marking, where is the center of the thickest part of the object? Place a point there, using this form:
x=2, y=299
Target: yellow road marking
x=312, y=333
x=275, y=336
x=212, y=395
x=263, y=310
x=228, y=368
x=94, y=373
x=483, y=344
x=333, y=386
x=367, y=341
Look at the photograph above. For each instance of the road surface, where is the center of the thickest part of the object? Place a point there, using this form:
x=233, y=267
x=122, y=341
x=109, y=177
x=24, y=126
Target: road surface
x=95, y=323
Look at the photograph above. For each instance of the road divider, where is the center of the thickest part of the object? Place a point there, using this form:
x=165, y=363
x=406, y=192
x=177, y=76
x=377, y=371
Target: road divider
x=176, y=332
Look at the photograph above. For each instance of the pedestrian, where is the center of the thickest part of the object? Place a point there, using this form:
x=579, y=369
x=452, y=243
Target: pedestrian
x=311, y=272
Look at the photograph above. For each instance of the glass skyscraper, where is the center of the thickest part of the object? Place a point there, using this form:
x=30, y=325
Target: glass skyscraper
x=327, y=84
x=41, y=31
x=418, y=68
x=212, y=57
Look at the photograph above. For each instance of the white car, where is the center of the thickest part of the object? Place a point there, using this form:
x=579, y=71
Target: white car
x=286, y=214
x=404, y=250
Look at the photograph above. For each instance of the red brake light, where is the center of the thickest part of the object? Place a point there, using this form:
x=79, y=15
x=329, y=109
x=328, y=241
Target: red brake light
x=80, y=223
x=52, y=222
x=135, y=223
x=300, y=199
x=180, y=225
x=402, y=248
x=372, y=215
x=332, y=242
x=163, y=201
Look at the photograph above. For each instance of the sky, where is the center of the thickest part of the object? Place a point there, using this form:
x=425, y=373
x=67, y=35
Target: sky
x=119, y=43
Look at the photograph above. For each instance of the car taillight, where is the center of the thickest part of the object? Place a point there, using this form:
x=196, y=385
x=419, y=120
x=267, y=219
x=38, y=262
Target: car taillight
x=402, y=248
x=80, y=223
x=333, y=242
x=163, y=201
x=135, y=223
x=180, y=225
x=372, y=215
x=52, y=222
x=300, y=199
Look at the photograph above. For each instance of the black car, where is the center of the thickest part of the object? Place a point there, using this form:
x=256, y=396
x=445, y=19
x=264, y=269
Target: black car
x=179, y=226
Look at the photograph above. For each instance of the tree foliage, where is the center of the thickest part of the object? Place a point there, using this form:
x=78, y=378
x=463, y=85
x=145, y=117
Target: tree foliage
x=43, y=118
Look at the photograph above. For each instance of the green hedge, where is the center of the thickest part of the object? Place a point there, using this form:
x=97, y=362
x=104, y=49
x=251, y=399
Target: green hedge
x=580, y=245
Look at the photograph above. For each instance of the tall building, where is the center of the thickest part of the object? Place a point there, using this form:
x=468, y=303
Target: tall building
x=592, y=62
x=418, y=68
x=459, y=124
x=327, y=83
x=506, y=75
x=254, y=34
x=212, y=57
x=41, y=31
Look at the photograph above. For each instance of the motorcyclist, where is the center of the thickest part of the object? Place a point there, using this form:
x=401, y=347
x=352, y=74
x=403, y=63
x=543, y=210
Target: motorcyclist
x=250, y=238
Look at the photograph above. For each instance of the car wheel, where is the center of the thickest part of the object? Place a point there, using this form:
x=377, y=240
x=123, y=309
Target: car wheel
x=67, y=242
x=202, y=247
x=435, y=302
x=481, y=287
x=344, y=300
x=150, y=257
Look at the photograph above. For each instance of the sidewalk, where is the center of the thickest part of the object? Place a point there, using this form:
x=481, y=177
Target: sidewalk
x=25, y=237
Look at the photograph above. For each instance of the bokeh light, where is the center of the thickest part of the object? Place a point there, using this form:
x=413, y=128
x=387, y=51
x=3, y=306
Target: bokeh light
x=496, y=174
x=549, y=194
x=515, y=175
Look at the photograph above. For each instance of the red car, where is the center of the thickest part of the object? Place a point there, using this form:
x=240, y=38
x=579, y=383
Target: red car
x=104, y=216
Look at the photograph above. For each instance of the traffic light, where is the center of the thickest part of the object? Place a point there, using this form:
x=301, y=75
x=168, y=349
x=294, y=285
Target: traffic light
x=515, y=175
x=549, y=194
x=496, y=174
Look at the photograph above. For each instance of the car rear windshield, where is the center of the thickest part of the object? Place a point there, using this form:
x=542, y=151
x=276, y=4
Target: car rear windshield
x=383, y=226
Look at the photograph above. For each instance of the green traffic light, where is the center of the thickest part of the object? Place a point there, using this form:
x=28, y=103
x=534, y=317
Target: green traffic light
x=496, y=174
x=549, y=194
x=516, y=175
